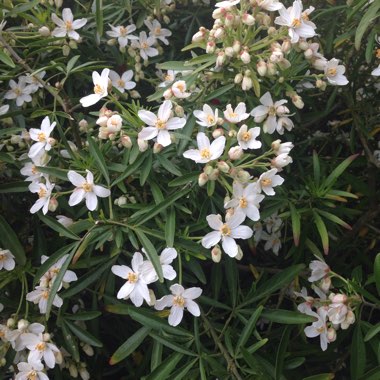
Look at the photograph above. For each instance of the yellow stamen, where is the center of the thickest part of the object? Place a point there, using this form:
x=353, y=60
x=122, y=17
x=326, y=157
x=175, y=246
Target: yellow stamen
x=121, y=83
x=32, y=375
x=98, y=89
x=69, y=25
x=87, y=187
x=42, y=193
x=243, y=203
x=331, y=72
x=41, y=137
x=210, y=119
x=272, y=111
x=246, y=136
x=160, y=124
x=40, y=346
x=225, y=230
x=205, y=153
x=179, y=301
x=132, y=277
x=266, y=181
x=296, y=23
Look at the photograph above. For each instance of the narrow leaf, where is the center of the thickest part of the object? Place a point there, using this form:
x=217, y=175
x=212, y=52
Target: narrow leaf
x=9, y=240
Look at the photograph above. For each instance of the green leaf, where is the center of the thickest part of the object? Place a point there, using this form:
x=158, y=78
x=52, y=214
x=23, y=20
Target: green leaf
x=6, y=59
x=58, y=227
x=183, y=371
x=55, y=172
x=129, y=346
x=373, y=374
x=166, y=368
x=373, y=331
x=151, y=252
x=168, y=165
x=130, y=169
x=146, y=318
x=170, y=227
x=321, y=227
x=321, y=376
x=296, y=224
x=174, y=65
x=287, y=317
x=281, y=352
x=248, y=329
x=99, y=17
x=71, y=343
x=376, y=272
x=71, y=63
x=338, y=171
x=9, y=240
x=316, y=168
x=147, y=166
x=99, y=159
x=83, y=335
x=174, y=346
x=333, y=218
x=184, y=179
x=21, y=8
x=358, y=353
x=83, y=315
x=219, y=91
x=14, y=187
x=365, y=22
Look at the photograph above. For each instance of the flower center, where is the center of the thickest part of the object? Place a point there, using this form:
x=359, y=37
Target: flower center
x=205, y=153
x=321, y=329
x=179, y=301
x=157, y=31
x=41, y=137
x=123, y=31
x=266, y=181
x=210, y=119
x=168, y=78
x=181, y=87
x=98, y=89
x=144, y=45
x=32, y=375
x=331, y=72
x=243, y=203
x=246, y=136
x=377, y=53
x=225, y=230
x=272, y=111
x=160, y=124
x=232, y=115
x=69, y=25
x=296, y=23
x=121, y=83
x=42, y=193
x=45, y=294
x=87, y=187
x=2, y=257
x=41, y=346
x=17, y=91
x=34, y=170
x=133, y=277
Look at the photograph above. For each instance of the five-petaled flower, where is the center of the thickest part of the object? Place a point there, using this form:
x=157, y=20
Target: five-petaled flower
x=42, y=138
x=100, y=88
x=68, y=25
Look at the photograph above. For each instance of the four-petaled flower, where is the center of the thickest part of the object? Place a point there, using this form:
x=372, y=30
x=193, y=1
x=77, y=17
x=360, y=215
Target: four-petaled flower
x=247, y=137
x=122, y=33
x=44, y=193
x=334, y=73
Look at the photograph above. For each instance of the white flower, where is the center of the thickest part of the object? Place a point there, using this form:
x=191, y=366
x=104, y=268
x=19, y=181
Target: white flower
x=337, y=312
x=30, y=168
x=273, y=223
x=179, y=89
x=48, y=278
x=19, y=91
x=4, y=109
x=334, y=73
x=144, y=44
x=318, y=328
x=122, y=34
x=40, y=296
x=23, y=327
x=247, y=137
x=304, y=307
x=31, y=371
x=100, y=88
x=7, y=261
x=375, y=73
x=226, y=3
x=166, y=258
x=42, y=138
x=319, y=270
x=168, y=78
x=64, y=220
x=269, y=5
x=292, y=18
x=136, y=286
x=207, y=117
x=86, y=189
x=156, y=31
x=281, y=148
x=122, y=82
x=237, y=115
x=40, y=349
x=44, y=193
x=160, y=125
x=179, y=300
x=33, y=81
x=281, y=161
x=206, y=152
x=273, y=241
x=246, y=199
x=269, y=111
x=227, y=232
x=268, y=180
x=68, y=25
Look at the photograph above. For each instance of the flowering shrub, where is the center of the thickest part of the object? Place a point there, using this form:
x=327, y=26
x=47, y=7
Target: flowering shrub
x=168, y=196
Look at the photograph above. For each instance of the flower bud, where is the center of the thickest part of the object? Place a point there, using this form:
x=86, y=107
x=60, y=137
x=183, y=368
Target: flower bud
x=339, y=298
x=157, y=148
x=247, y=83
x=168, y=94
x=73, y=370
x=22, y=324
x=218, y=13
x=84, y=373
x=239, y=255
x=308, y=53
x=286, y=46
x=297, y=101
x=73, y=45
x=236, y=46
x=321, y=84
x=238, y=78
x=350, y=317
x=44, y=31
x=58, y=3
x=135, y=94
x=216, y=254
x=202, y=179
x=112, y=42
x=248, y=19
x=229, y=51
x=245, y=57
x=243, y=176
x=200, y=35
x=66, y=50
x=229, y=19
x=325, y=284
x=217, y=133
x=143, y=145
x=223, y=166
x=11, y=323
x=235, y=153
x=214, y=175
x=89, y=351
x=261, y=67
x=331, y=335
x=53, y=204
x=210, y=47
x=179, y=111
x=121, y=201
x=303, y=45
x=221, y=58
x=126, y=141
x=271, y=68
x=219, y=33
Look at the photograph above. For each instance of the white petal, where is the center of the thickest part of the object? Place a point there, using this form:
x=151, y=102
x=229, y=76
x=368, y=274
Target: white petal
x=242, y=232
x=163, y=302
x=76, y=197
x=125, y=290
x=211, y=239
x=147, y=117
x=168, y=255
x=121, y=271
x=90, y=100
x=164, y=110
x=148, y=133
x=163, y=137
x=101, y=191
x=192, y=293
x=91, y=201
x=229, y=246
x=193, y=308
x=176, y=315
x=214, y=221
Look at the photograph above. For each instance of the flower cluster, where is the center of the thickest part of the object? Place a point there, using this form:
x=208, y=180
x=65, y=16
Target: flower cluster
x=333, y=311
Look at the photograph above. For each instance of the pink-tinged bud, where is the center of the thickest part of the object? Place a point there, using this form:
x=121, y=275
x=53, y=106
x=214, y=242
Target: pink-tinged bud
x=238, y=78
x=157, y=148
x=286, y=46
x=235, y=153
x=321, y=84
x=236, y=46
x=247, y=83
x=308, y=53
x=331, y=334
x=126, y=141
x=218, y=13
x=245, y=57
x=303, y=45
x=202, y=179
x=53, y=204
x=214, y=175
x=229, y=51
x=339, y=298
x=248, y=19
x=200, y=35
x=44, y=31
x=143, y=145
x=239, y=255
x=350, y=317
x=229, y=19
x=276, y=145
x=219, y=33
x=168, y=94
x=52, y=141
x=325, y=284
x=221, y=58
x=223, y=166
x=216, y=254
x=210, y=47
x=217, y=133
x=261, y=67
x=271, y=68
